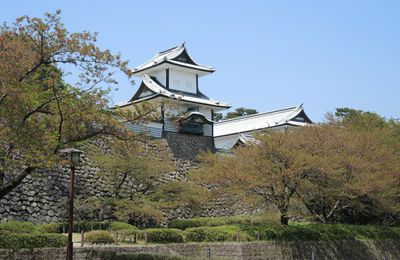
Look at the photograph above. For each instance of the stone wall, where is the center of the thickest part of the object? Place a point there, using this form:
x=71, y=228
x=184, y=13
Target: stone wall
x=42, y=197
x=186, y=146
x=351, y=250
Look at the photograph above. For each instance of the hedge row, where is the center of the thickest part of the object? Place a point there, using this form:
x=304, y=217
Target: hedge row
x=31, y=240
x=273, y=232
x=223, y=221
x=215, y=234
x=17, y=227
x=99, y=237
x=28, y=227
x=322, y=232
x=164, y=235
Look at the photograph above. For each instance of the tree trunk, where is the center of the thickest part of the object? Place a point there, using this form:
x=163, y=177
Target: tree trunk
x=284, y=219
x=4, y=190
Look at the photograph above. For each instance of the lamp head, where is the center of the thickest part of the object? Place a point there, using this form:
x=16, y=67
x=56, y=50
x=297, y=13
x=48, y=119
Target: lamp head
x=72, y=154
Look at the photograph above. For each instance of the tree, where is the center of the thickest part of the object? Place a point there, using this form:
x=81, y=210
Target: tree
x=218, y=116
x=39, y=112
x=274, y=172
x=356, y=119
x=380, y=136
x=328, y=167
x=241, y=111
x=133, y=160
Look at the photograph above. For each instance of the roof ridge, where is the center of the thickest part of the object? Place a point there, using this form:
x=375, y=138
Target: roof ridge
x=258, y=114
x=170, y=49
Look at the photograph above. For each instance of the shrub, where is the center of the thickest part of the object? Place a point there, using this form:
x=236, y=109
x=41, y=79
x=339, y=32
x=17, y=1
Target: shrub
x=198, y=222
x=125, y=231
x=212, y=234
x=17, y=227
x=107, y=255
x=49, y=228
x=85, y=226
x=261, y=219
x=164, y=235
x=116, y=226
x=99, y=237
x=321, y=232
x=31, y=240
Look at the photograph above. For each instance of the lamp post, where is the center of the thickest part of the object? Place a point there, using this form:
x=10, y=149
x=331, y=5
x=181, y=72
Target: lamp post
x=73, y=155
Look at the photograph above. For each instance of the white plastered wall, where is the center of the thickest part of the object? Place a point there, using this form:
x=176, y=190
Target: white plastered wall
x=182, y=81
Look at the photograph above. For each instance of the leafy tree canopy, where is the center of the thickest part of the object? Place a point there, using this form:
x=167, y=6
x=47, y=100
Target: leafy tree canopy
x=241, y=111
x=39, y=112
x=331, y=168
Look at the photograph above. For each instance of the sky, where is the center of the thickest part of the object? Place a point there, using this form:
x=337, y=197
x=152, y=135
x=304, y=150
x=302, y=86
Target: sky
x=268, y=54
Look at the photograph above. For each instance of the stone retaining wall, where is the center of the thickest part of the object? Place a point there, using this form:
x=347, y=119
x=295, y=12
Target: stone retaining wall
x=186, y=146
x=351, y=250
x=42, y=197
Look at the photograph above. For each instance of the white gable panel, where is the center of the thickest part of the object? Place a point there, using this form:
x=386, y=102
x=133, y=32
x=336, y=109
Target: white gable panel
x=161, y=76
x=182, y=81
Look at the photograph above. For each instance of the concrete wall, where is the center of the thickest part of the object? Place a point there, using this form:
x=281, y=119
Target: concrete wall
x=351, y=250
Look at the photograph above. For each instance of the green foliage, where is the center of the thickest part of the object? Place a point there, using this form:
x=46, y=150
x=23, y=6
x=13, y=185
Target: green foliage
x=99, y=237
x=221, y=221
x=49, y=228
x=241, y=111
x=178, y=193
x=84, y=226
x=17, y=227
x=104, y=255
x=39, y=113
x=322, y=232
x=138, y=212
x=218, y=116
x=117, y=226
x=341, y=175
x=31, y=240
x=164, y=235
x=360, y=120
x=129, y=159
x=125, y=232
x=214, y=234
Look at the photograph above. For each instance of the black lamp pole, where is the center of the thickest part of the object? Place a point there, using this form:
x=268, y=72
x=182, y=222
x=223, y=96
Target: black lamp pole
x=70, y=248
x=74, y=156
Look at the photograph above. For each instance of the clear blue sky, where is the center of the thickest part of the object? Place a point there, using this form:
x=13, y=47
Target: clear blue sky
x=268, y=54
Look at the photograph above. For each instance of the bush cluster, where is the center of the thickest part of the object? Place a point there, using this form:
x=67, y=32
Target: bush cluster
x=49, y=228
x=214, y=234
x=17, y=227
x=106, y=255
x=16, y=235
x=85, y=226
x=164, y=235
x=322, y=232
x=99, y=237
x=31, y=240
x=221, y=221
x=117, y=226
x=125, y=232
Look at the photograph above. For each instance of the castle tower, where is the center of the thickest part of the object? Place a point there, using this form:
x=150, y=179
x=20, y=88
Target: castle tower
x=170, y=80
